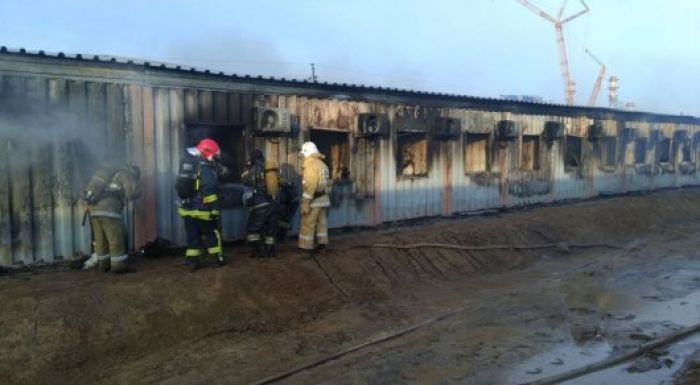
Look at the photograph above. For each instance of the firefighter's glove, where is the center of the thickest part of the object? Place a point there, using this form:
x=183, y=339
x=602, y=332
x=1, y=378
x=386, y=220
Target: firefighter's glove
x=221, y=170
x=305, y=206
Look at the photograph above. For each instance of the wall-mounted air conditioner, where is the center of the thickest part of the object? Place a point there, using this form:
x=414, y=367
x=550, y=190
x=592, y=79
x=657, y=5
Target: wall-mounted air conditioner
x=268, y=120
x=506, y=130
x=447, y=128
x=629, y=134
x=656, y=135
x=553, y=130
x=373, y=125
x=680, y=136
x=595, y=132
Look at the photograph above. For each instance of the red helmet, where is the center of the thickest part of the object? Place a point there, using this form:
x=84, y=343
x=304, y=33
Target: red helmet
x=207, y=148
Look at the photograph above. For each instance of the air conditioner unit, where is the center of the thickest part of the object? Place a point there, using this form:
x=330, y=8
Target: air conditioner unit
x=506, y=130
x=680, y=136
x=595, y=132
x=373, y=125
x=447, y=128
x=271, y=121
x=553, y=130
x=629, y=134
x=656, y=135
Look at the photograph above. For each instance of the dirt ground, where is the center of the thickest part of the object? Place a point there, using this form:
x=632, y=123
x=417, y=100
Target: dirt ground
x=516, y=315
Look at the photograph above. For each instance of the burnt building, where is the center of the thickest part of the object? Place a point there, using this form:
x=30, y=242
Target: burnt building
x=394, y=154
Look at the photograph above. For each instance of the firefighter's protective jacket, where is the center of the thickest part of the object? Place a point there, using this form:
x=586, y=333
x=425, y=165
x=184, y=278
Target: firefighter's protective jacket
x=315, y=184
x=202, y=180
x=109, y=189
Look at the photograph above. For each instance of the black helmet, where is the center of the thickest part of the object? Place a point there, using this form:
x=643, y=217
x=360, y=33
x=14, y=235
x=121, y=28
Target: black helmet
x=134, y=170
x=256, y=155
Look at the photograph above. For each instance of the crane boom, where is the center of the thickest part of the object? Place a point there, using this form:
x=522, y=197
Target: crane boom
x=569, y=85
x=596, y=87
x=537, y=10
x=561, y=9
x=577, y=14
x=598, y=81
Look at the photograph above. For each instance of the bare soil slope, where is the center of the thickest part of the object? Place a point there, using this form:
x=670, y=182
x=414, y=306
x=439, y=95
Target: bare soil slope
x=60, y=326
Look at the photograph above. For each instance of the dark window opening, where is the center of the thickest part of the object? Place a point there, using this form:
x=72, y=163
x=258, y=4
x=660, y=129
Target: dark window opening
x=412, y=155
x=231, y=143
x=335, y=147
x=572, y=153
x=607, y=151
x=640, y=151
x=663, y=151
x=685, y=152
x=530, y=158
x=476, y=153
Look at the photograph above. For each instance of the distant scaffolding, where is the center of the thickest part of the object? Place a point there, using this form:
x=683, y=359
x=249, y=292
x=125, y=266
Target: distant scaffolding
x=612, y=92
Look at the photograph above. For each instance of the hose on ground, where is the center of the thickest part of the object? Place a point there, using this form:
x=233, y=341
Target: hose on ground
x=375, y=341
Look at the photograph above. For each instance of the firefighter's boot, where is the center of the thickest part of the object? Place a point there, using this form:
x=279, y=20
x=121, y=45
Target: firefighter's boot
x=270, y=251
x=256, y=248
x=119, y=264
x=104, y=263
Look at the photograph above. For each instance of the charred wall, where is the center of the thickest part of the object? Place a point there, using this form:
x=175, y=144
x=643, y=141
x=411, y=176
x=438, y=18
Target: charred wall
x=53, y=133
x=60, y=118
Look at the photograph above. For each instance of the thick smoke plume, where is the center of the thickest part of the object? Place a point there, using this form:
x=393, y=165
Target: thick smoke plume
x=38, y=139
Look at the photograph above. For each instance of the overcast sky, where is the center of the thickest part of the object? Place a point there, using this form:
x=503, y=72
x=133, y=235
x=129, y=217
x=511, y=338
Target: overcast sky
x=474, y=47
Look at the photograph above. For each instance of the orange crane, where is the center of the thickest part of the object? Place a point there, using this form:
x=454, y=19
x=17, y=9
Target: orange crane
x=559, y=21
x=598, y=81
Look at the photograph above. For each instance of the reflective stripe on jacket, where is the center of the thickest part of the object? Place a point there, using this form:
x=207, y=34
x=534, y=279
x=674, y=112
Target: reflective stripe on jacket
x=204, y=202
x=315, y=182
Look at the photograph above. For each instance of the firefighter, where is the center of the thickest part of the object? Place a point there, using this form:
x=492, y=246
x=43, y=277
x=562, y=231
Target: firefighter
x=315, y=199
x=197, y=185
x=261, y=198
x=106, y=195
x=288, y=202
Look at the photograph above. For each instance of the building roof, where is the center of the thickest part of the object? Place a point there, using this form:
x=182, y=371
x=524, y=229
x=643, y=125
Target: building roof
x=359, y=91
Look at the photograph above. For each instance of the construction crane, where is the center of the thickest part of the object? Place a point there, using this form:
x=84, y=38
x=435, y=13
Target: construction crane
x=559, y=21
x=598, y=81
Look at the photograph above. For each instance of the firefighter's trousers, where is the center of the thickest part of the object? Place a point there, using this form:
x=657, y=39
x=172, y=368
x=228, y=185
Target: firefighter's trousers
x=313, y=227
x=110, y=234
x=284, y=221
x=262, y=223
x=199, y=229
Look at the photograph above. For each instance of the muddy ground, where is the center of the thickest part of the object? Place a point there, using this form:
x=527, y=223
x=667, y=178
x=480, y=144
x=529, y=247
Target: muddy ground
x=516, y=316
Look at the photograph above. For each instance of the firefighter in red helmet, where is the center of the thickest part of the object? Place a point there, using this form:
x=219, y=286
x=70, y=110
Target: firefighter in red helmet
x=197, y=185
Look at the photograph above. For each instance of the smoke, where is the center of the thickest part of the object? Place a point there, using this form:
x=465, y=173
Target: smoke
x=232, y=53
x=48, y=141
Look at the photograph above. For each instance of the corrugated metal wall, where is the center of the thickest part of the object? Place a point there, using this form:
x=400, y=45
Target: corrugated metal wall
x=55, y=130
x=53, y=134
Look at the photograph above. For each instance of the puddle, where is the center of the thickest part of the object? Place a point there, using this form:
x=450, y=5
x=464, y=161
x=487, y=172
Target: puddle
x=678, y=312
x=569, y=357
x=677, y=353
x=683, y=311
x=563, y=358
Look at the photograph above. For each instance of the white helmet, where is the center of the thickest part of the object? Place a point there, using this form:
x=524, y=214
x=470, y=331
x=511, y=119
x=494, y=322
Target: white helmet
x=308, y=148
